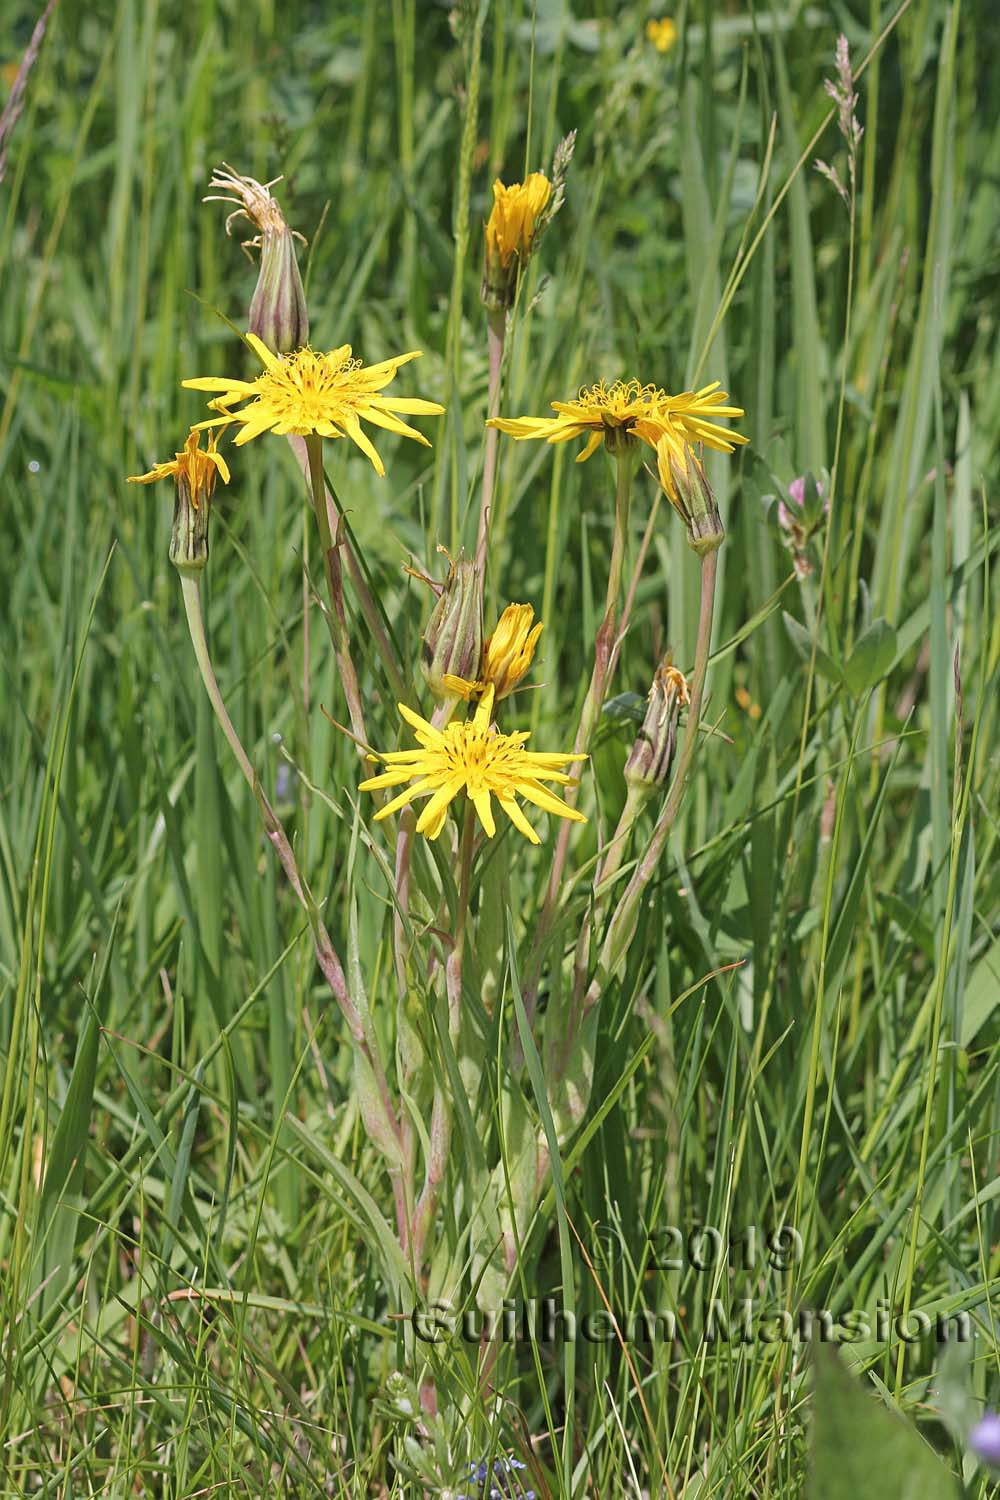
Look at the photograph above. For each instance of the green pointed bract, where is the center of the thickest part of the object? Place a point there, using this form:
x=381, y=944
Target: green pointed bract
x=453, y=641
x=278, y=313
x=189, y=533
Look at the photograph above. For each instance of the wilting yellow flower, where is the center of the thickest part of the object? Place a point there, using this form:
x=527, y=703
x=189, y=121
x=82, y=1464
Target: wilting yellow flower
x=690, y=493
x=690, y=424
x=473, y=758
x=516, y=211
x=307, y=392
x=604, y=413
x=197, y=468
x=506, y=656
x=194, y=473
x=662, y=33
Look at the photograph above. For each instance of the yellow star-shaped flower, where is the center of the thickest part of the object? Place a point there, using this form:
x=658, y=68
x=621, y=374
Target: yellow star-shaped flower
x=307, y=392
x=475, y=758
x=604, y=413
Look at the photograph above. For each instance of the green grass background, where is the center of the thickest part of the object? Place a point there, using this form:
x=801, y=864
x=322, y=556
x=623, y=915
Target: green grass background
x=173, y=1080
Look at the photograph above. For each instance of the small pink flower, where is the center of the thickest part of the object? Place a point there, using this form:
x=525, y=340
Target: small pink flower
x=797, y=495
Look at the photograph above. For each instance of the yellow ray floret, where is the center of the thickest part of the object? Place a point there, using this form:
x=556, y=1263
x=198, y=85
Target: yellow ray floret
x=645, y=412
x=307, y=392
x=506, y=658
x=474, y=758
x=514, y=219
x=197, y=467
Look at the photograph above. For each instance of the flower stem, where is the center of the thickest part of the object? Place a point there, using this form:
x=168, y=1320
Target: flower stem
x=496, y=333
x=326, y=955
x=191, y=590
x=441, y=1111
x=604, y=653
x=372, y=615
x=625, y=916
x=336, y=616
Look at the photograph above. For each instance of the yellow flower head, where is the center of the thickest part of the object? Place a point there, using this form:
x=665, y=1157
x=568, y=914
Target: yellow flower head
x=506, y=656
x=306, y=392
x=516, y=211
x=606, y=413
x=662, y=33
x=196, y=468
x=474, y=758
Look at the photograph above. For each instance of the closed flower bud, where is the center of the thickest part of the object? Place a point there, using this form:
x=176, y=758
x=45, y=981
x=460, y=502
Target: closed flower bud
x=683, y=477
x=652, y=754
x=453, y=641
x=194, y=474
x=278, y=308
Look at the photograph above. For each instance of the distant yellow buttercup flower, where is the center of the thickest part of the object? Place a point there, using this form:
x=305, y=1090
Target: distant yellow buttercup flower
x=308, y=392
x=194, y=473
x=474, y=758
x=605, y=413
x=506, y=657
x=662, y=33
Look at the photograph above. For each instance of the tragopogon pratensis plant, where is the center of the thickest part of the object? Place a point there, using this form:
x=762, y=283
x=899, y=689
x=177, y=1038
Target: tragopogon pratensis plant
x=427, y=1081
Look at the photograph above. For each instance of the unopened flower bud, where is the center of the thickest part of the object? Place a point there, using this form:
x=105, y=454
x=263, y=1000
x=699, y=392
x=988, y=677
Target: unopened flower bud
x=278, y=313
x=194, y=474
x=808, y=504
x=453, y=641
x=683, y=477
x=652, y=754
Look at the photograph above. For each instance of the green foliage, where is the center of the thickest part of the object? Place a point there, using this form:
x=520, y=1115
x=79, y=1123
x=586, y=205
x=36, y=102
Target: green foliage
x=862, y=1449
x=797, y=1068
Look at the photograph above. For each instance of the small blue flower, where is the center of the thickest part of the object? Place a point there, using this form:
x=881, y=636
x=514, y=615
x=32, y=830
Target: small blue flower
x=984, y=1439
x=496, y=1483
x=285, y=782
